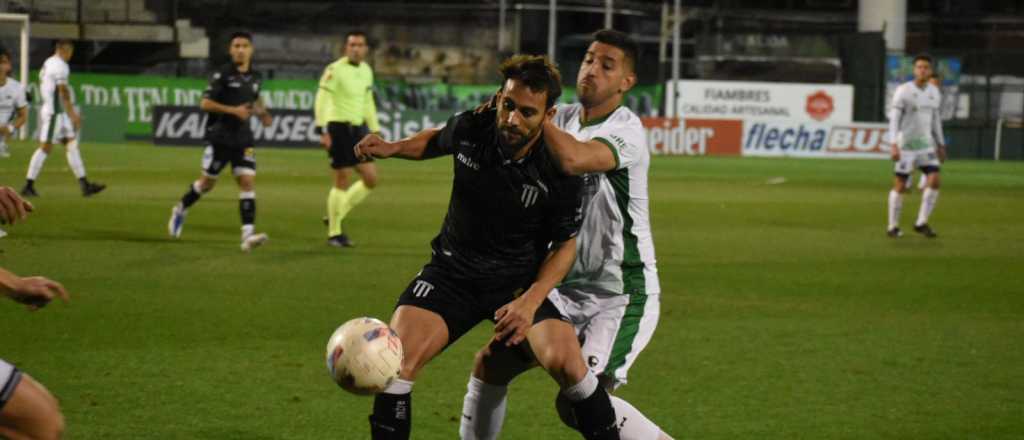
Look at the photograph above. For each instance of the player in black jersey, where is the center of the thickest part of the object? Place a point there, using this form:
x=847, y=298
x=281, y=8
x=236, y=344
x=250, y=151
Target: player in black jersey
x=508, y=238
x=230, y=99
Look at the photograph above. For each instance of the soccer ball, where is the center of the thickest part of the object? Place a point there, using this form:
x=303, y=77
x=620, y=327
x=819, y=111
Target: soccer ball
x=364, y=356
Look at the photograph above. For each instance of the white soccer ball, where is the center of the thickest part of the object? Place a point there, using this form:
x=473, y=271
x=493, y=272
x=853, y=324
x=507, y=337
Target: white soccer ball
x=364, y=356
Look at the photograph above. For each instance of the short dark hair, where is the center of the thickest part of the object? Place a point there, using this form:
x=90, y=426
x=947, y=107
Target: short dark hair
x=63, y=42
x=4, y=53
x=355, y=33
x=239, y=34
x=537, y=72
x=620, y=40
x=924, y=56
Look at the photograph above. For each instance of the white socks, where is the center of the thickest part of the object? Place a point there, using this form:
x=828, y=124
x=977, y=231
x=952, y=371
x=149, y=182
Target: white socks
x=583, y=389
x=895, y=208
x=483, y=410
x=36, y=164
x=399, y=386
x=928, y=200
x=632, y=423
x=75, y=159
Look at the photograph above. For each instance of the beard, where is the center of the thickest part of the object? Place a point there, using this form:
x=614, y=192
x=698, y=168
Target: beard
x=511, y=141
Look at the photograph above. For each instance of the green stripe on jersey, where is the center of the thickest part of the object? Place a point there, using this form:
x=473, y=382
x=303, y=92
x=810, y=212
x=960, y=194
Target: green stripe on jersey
x=50, y=130
x=628, y=329
x=633, y=281
x=610, y=147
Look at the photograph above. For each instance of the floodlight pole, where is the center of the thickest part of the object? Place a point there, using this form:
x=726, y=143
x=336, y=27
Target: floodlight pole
x=552, y=28
x=608, y=10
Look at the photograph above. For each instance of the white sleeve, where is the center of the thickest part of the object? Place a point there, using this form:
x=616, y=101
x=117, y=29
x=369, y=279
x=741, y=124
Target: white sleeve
x=60, y=74
x=896, y=115
x=20, y=100
x=627, y=142
x=940, y=138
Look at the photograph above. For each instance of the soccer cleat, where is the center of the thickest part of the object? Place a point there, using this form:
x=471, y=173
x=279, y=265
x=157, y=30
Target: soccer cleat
x=4, y=153
x=894, y=232
x=90, y=188
x=253, y=241
x=925, y=230
x=3, y=233
x=340, y=241
x=177, y=221
x=29, y=191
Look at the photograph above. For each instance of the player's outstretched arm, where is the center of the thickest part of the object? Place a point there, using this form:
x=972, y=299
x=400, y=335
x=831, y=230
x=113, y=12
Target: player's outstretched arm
x=36, y=292
x=516, y=318
x=575, y=157
x=415, y=147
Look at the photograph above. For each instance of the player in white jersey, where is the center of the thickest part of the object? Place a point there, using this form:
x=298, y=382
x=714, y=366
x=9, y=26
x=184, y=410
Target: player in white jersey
x=915, y=127
x=58, y=121
x=13, y=105
x=611, y=294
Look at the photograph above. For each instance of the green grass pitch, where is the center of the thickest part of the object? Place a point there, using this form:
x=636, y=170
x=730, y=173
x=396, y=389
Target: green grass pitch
x=786, y=312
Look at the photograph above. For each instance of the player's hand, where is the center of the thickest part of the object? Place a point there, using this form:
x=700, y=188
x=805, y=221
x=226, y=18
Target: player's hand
x=266, y=119
x=12, y=206
x=37, y=292
x=514, y=320
x=895, y=154
x=942, y=154
x=372, y=145
x=243, y=112
x=325, y=139
x=490, y=104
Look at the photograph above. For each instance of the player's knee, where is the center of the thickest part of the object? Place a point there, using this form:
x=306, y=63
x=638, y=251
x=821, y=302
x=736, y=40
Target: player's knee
x=46, y=148
x=564, y=409
x=370, y=180
x=562, y=366
x=206, y=184
x=934, y=182
x=492, y=369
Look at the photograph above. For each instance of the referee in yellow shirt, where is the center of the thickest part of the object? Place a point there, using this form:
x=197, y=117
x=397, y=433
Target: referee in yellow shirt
x=345, y=112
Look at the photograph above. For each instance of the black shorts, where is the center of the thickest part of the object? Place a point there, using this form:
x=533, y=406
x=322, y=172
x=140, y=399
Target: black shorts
x=216, y=157
x=344, y=137
x=9, y=378
x=464, y=303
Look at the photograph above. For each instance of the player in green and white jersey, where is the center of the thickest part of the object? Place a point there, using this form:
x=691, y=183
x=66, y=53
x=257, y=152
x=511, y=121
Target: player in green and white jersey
x=611, y=294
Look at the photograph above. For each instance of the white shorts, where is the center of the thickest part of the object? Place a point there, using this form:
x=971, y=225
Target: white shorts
x=55, y=128
x=9, y=378
x=925, y=160
x=613, y=329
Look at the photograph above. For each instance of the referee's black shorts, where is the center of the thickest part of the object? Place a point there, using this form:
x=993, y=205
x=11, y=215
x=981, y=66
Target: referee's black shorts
x=465, y=303
x=344, y=137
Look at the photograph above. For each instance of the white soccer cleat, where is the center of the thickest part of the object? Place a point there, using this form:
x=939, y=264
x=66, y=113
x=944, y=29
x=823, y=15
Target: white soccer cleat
x=253, y=241
x=3, y=233
x=177, y=221
x=4, y=152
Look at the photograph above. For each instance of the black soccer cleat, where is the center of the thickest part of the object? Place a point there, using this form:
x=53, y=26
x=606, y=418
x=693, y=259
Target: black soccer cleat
x=90, y=188
x=340, y=241
x=894, y=233
x=925, y=230
x=29, y=191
